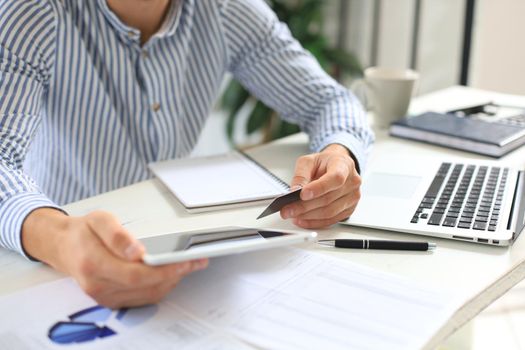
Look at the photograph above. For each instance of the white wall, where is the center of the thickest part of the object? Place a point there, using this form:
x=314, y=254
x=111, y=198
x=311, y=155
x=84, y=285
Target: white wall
x=395, y=33
x=440, y=37
x=498, y=52
x=440, y=43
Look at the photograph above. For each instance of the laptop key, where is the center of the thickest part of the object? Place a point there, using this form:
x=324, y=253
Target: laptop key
x=464, y=225
x=435, y=219
x=449, y=221
x=435, y=186
x=492, y=228
x=480, y=226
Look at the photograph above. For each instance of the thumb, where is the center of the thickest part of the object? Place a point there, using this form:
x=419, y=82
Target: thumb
x=115, y=237
x=304, y=170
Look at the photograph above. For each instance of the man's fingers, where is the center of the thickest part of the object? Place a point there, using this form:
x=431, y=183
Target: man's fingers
x=110, y=269
x=154, y=293
x=102, y=266
x=304, y=170
x=140, y=274
x=320, y=223
x=115, y=237
x=331, y=210
x=337, y=173
x=298, y=208
x=105, y=275
x=136, y=297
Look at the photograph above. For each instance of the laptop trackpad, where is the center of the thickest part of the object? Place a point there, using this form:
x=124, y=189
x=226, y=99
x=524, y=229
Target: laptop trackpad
x=391, y=185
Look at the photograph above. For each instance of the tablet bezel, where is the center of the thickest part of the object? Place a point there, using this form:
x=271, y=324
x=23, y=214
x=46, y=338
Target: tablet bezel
x=293, y=237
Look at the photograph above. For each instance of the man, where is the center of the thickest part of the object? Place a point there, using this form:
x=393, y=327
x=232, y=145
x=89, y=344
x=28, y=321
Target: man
x=93, y=90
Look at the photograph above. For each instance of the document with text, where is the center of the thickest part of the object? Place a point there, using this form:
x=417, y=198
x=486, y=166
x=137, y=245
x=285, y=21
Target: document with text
x=279, y=299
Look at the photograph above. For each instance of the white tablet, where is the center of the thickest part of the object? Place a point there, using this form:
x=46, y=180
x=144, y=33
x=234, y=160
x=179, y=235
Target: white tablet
x=184, y=246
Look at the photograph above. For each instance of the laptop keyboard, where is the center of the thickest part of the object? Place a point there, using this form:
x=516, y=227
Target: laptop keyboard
x=470, y=198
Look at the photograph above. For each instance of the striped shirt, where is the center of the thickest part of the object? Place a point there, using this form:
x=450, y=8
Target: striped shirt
x=84, y=107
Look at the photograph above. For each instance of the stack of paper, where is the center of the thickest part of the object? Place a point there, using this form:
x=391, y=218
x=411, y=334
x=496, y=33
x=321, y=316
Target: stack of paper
x=279, y=299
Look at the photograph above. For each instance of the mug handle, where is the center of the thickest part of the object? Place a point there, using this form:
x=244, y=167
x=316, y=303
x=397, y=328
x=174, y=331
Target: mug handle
x=359, y=88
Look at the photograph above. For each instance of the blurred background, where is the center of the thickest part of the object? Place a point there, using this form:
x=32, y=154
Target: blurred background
x=478, y=43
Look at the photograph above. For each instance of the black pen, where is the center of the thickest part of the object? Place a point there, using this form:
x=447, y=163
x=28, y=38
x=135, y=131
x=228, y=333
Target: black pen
x=375, y=244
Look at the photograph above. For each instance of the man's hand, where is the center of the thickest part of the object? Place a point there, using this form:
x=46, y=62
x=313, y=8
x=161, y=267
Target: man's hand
x=330, y=191
x=102, y=256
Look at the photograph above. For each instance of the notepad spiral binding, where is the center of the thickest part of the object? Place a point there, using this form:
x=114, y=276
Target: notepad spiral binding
x=263, y=168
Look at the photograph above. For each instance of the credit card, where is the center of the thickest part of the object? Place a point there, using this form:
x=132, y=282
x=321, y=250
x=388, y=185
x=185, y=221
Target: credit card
x=279, y=202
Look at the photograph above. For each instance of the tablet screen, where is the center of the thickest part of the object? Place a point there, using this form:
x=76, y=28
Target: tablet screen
x=196, y=241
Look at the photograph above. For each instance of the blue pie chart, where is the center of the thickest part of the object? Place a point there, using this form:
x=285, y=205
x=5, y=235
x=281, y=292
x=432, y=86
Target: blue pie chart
x=89, y=324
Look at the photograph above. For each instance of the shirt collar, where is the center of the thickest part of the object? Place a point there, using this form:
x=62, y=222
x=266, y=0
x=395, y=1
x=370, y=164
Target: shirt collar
x=171, y=22
x=168, y=27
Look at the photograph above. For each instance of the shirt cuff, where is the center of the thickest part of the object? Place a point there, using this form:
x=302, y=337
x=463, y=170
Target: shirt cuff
x=353, y=144
x=13, y=213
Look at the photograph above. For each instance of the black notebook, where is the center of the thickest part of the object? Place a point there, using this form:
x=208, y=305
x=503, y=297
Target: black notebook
x=473, y=135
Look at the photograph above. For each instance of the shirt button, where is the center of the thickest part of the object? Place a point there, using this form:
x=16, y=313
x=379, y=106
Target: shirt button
x=155, y=107
x=131, y=34
x=145, y=54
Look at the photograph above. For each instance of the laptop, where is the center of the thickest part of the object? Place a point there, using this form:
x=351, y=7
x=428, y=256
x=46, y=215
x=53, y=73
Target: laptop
x=458, y=199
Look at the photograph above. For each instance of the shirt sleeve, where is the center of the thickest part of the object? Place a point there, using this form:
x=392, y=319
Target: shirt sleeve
x=272, y=65
x=27, y=46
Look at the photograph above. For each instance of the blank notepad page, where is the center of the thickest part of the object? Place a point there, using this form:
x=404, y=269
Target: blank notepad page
x=218, y=180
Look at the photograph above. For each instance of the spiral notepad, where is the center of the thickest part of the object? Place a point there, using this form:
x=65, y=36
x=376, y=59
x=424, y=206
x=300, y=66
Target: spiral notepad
x=218, y=182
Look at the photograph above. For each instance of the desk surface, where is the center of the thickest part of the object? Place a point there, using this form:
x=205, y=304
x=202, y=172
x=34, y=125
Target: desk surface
x=476, y=274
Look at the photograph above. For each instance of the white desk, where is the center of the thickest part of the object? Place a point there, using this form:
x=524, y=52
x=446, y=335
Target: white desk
x=477, y=274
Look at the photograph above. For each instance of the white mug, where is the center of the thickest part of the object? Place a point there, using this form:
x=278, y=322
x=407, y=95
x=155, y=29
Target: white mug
x=387, y=92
